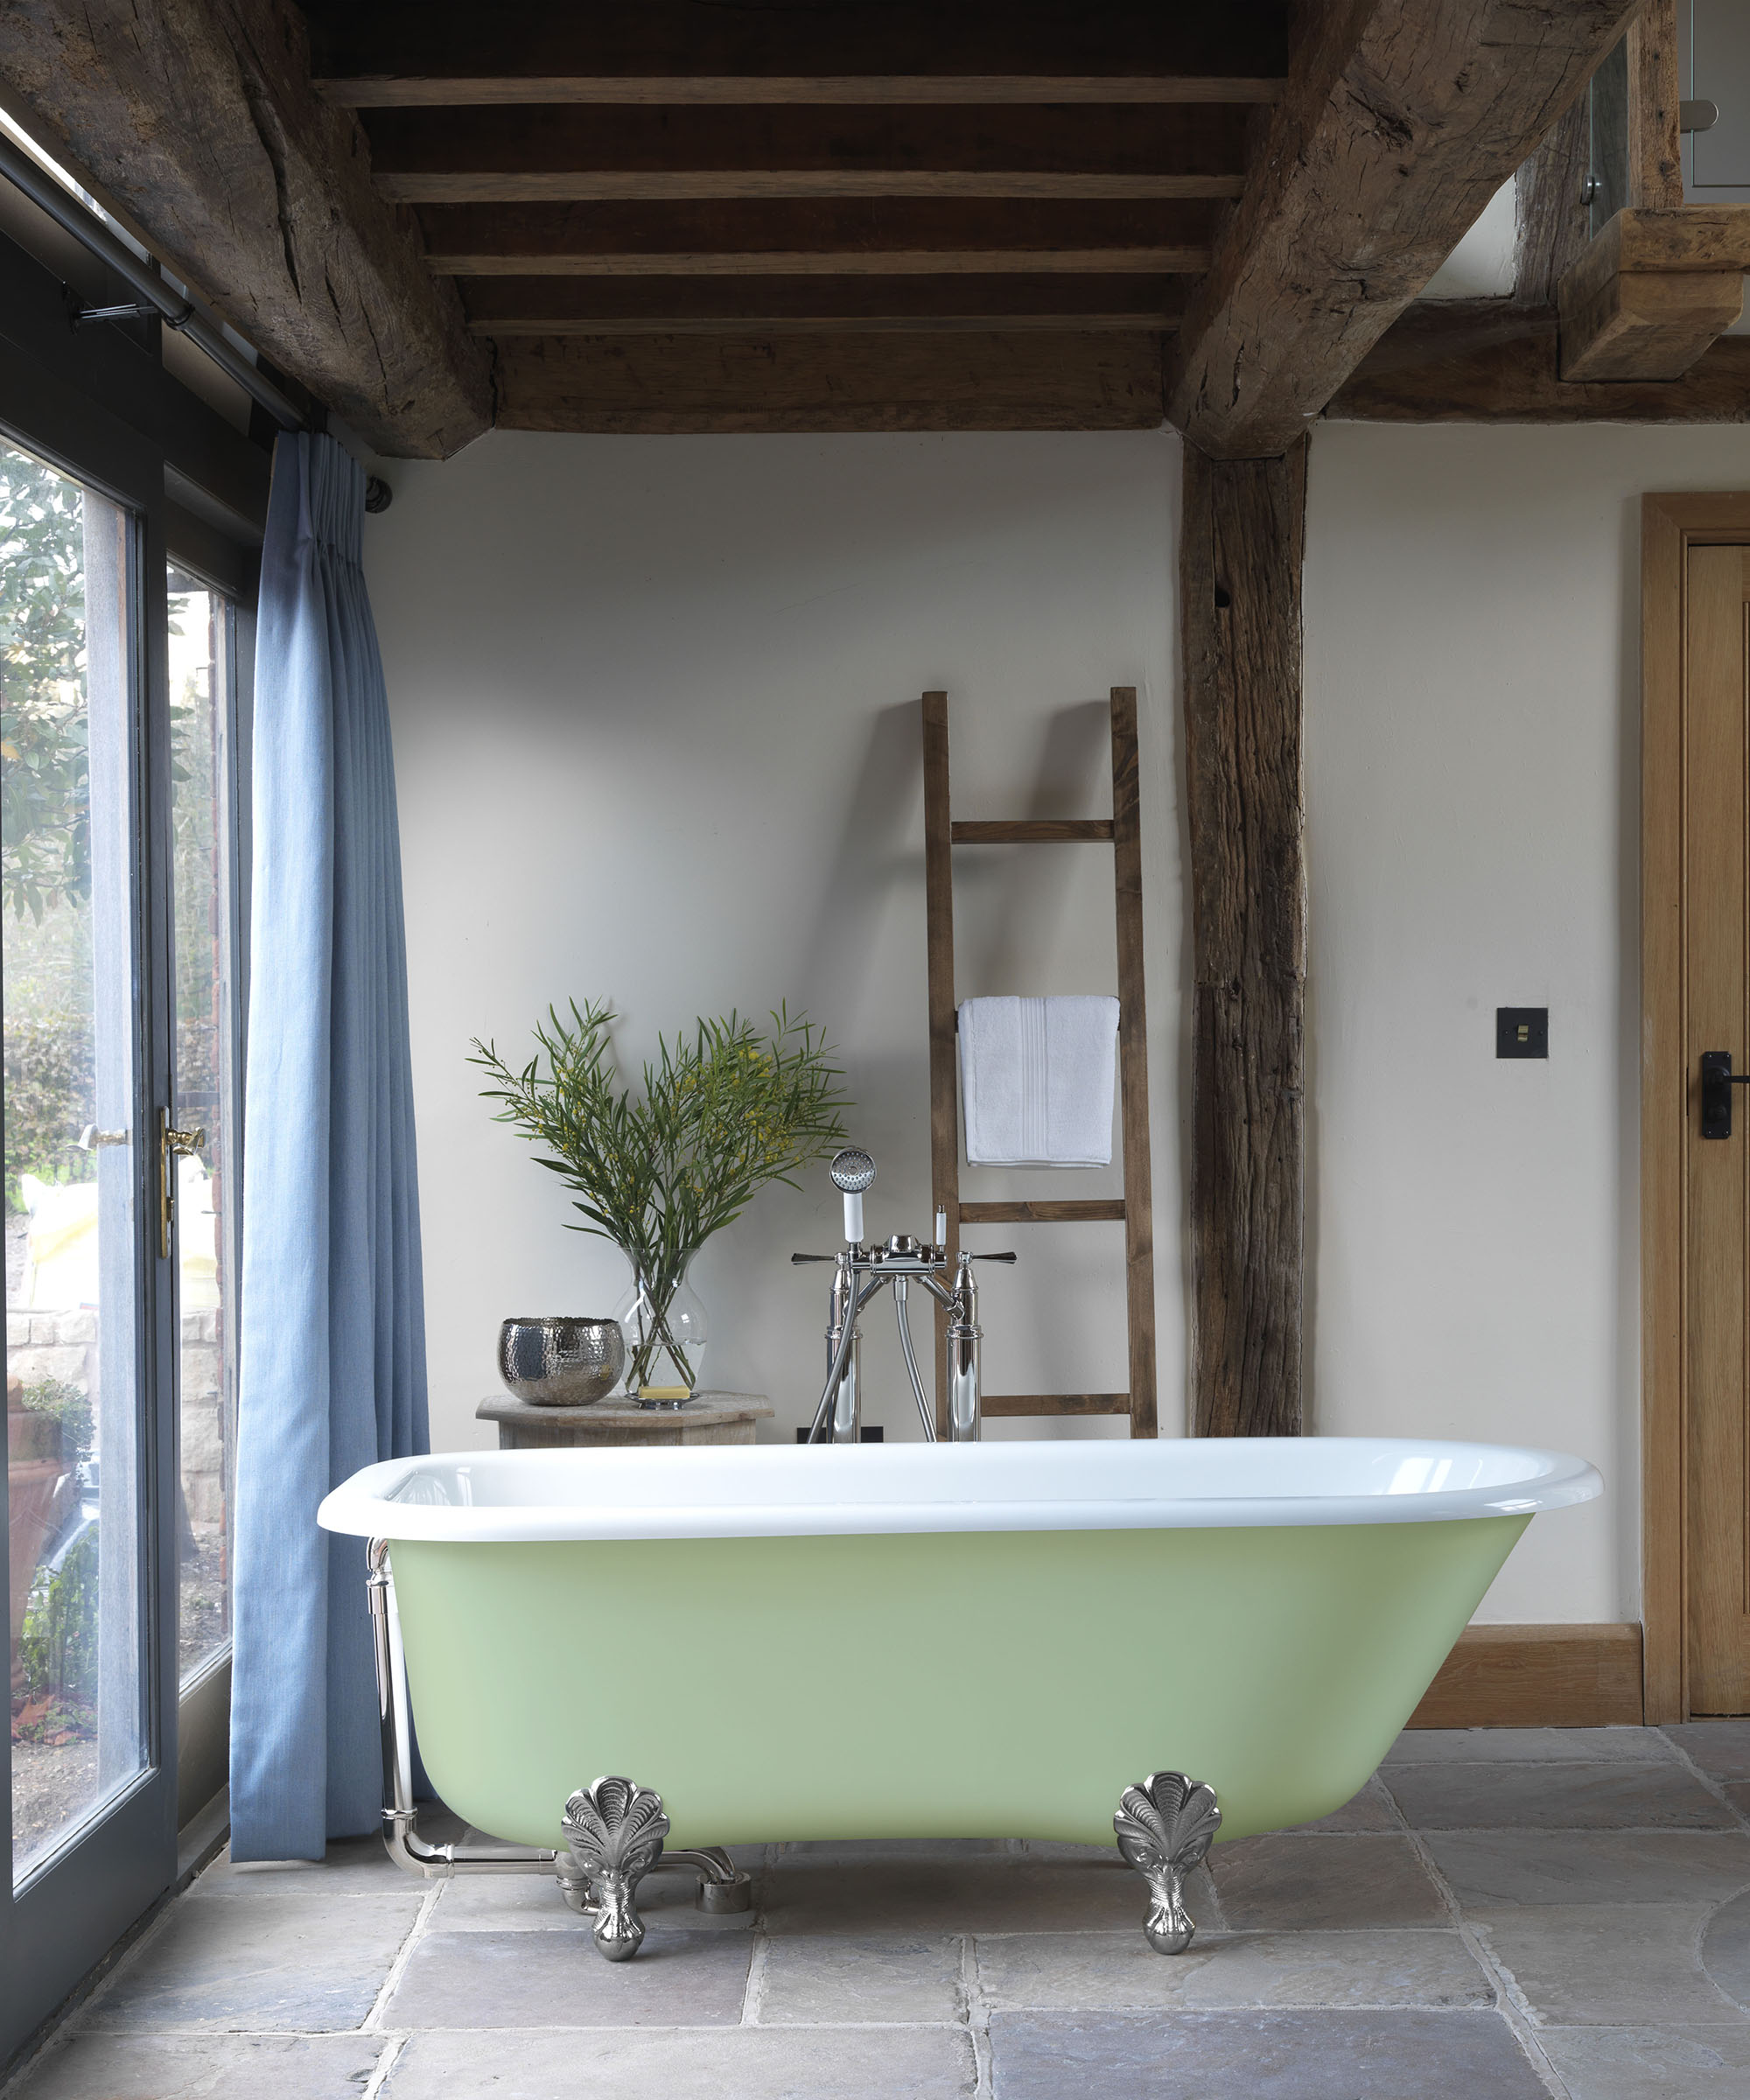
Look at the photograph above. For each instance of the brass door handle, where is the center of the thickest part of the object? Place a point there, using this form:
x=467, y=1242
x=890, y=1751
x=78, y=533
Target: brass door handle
x=171, y=1143
x=91, y=1139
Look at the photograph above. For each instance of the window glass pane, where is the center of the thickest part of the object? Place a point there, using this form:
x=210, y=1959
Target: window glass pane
x=67, y=943
x=201, y=631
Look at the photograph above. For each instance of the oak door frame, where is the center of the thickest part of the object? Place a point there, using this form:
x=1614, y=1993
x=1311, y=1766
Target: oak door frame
x=1670, y=525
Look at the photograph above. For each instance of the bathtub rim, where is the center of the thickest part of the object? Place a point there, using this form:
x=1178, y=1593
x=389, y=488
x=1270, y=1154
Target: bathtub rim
x=371, y=1504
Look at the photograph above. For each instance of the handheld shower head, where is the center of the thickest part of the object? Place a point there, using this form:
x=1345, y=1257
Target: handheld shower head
x=852, y=1171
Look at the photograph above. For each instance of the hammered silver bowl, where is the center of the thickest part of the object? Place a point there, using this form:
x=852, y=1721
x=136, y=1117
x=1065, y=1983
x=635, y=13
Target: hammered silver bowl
x=561, y=1361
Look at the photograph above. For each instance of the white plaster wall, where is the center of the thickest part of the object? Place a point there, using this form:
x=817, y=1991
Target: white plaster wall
x=656, y=733
x=654, y=710
x=1473, y=781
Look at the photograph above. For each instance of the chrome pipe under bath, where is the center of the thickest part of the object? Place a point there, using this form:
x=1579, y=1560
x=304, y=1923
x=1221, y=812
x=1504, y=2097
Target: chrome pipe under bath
x=723, y=1887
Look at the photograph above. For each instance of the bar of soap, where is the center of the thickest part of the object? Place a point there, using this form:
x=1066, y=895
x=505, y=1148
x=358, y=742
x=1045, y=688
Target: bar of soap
x=664, y=1392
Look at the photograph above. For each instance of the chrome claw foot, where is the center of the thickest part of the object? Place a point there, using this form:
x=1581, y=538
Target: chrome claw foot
x=1164, y=1826
x=615, y=1830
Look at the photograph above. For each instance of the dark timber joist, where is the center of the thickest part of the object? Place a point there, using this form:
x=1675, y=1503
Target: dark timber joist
x=1400, y=120
x=674, y=51
x=969, y=381
x=814, y=305
x=1240, y=591
x=198, y=121
x=820, y=237
x=1488, y=360
x=564, y=153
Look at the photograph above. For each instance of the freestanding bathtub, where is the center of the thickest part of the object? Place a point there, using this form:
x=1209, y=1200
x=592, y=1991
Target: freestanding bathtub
x=982, y=1640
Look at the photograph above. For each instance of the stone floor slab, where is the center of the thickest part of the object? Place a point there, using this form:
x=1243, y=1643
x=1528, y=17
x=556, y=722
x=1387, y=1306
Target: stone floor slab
x=815, y=1982
x=550, y=1979
x=1726, y=1950
x=1496, y=1869
x=1088, y=1970
x=733, y=2063
x=1720, y=1749
x=1328, y=1884
x=354, y=1866
x=1650, y=2063
x=204, y=2067
x=1552, y=1796
x=1528, y=1746
x=308, y=1962
x=1371, y=1811
x=1411, y=2056
x=1636, y=1966
x=925, y=1897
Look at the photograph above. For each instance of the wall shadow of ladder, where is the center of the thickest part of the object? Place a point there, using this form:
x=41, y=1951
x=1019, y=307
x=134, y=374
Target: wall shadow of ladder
x=1122, y=830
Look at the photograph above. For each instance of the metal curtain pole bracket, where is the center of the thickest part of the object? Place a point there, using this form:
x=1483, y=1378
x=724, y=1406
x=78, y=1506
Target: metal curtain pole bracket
x=139, y=311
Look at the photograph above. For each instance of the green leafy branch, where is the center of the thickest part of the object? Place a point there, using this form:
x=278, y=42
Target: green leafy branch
x=722, y=1113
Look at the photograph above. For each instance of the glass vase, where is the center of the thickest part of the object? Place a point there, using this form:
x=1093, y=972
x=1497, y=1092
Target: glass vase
x=665, y=1341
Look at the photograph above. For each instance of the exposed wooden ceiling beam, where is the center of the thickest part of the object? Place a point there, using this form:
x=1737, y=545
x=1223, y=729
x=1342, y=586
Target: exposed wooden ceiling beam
x=613, y=186
x=413, y=51
x=198, y=120
x=1400, y=120
x=1489, y=360
x=816, y=237
x=919, y=90
x=569, y=154
x=973, y=382
x=507, y=306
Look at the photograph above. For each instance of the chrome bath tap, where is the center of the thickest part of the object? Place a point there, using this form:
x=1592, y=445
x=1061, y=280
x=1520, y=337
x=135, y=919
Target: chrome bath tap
x=858, y=1273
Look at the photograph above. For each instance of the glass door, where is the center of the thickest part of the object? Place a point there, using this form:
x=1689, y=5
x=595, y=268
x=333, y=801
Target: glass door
x=205, y=880
x=92, y=1733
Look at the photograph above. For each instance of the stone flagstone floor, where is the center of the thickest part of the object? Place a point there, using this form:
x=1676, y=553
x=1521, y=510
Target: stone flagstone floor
x=1499, y=1915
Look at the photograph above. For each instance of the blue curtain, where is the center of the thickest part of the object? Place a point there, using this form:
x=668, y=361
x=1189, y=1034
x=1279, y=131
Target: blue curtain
x=333, y=1351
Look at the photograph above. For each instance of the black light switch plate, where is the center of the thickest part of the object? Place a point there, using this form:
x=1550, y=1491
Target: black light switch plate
x=1522, y=1031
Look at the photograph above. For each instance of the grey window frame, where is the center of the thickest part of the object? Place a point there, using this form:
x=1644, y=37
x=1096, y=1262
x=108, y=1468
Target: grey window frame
x=97, y=402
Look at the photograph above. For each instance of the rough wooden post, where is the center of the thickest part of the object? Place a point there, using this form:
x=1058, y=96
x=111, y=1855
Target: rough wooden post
x=1240, y=582
x=1552, y=221
x=1656, y=146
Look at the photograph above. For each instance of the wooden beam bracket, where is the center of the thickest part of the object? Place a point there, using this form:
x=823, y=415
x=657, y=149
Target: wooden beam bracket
x=1653, y=291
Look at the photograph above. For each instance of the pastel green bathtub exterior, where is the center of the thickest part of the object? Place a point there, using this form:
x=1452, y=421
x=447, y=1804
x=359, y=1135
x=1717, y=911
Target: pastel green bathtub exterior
x=961, y=1684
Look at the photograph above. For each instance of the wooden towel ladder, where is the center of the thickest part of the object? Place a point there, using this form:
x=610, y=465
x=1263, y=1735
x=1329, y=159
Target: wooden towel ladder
x=1123, y=832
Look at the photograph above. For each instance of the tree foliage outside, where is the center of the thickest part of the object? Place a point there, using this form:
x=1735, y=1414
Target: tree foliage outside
x=45, y=783
x=50, y=1098
x=45, y=826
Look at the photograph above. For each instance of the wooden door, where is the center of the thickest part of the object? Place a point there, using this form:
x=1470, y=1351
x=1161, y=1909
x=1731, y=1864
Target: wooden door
x=1716, y=938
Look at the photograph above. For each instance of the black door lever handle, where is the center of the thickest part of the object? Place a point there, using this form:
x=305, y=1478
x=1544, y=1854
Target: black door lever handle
x=1717, y=1079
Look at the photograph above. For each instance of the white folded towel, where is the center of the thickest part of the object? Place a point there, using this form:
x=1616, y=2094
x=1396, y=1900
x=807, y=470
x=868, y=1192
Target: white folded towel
x=1036, y=1081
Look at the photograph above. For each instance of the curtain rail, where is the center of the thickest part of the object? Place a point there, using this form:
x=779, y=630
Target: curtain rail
x=90, y=231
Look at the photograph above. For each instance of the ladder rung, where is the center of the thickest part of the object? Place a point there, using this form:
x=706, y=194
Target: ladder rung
x=1030, y=831
x=1056, y=1403
x=1081, y=1210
